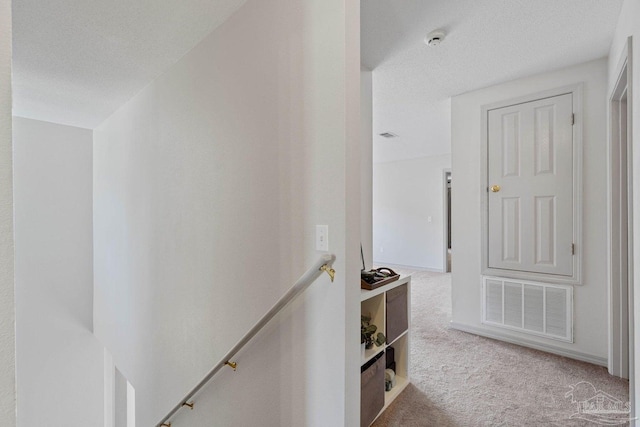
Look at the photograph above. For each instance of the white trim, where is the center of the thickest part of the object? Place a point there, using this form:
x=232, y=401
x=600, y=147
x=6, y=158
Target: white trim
x=549, y=348
x=618, y=233
x=131, y=405
x=576, y=90
x=632, y=317
x=109, y=389
x=624, y=69
x=445, y=218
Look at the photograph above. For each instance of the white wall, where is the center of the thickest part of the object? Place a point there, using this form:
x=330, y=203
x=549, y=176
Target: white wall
x=207, y=188
x=59, y=365
x=366, y=166
x=629, y=25
x=7, y=313
x=405, y=194
x=590, y=311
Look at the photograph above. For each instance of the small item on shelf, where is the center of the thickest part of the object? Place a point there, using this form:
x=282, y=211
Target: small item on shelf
x=367, y=331
x=377, y=277
x=371, y=279
x=391, y=358
x=389, y=379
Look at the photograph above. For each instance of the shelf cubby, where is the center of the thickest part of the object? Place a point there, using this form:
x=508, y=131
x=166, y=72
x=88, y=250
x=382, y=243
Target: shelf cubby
x=389, y=309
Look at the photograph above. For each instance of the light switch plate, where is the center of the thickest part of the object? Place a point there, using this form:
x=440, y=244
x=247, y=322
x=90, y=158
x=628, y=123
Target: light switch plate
x=322, y=237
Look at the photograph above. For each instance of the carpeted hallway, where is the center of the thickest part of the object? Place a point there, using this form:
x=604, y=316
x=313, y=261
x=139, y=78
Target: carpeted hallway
x=459, y=379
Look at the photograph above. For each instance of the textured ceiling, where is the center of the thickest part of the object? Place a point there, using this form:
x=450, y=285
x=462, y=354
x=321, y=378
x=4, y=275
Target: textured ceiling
x=487, y=42
x=76, y=61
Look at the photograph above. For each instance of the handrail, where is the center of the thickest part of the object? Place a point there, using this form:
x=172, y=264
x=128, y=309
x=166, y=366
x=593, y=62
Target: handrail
x=323, y=264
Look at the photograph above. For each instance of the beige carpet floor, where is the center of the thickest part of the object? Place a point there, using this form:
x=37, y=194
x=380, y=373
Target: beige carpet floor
x=460, y=379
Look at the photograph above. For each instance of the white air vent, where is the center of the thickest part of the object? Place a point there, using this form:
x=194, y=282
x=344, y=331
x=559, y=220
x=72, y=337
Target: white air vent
x=388, y=135
x=534, y=308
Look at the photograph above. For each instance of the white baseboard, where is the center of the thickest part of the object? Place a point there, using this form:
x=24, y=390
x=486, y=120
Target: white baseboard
x=409, y=267
x=549, y=348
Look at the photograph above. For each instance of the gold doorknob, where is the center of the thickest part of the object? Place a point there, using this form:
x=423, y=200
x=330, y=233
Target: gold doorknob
x=495, y=188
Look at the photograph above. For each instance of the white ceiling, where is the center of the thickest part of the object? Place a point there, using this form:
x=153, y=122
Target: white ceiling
x=487, y=42
x=76, y=61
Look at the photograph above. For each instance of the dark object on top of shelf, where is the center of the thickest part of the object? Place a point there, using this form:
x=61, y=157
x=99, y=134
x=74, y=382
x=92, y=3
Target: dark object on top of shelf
x=391, y=358
x=377, y=277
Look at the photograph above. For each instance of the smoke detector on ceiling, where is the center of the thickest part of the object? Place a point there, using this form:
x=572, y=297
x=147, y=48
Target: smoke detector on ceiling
x=388, y=135
x=434, y=38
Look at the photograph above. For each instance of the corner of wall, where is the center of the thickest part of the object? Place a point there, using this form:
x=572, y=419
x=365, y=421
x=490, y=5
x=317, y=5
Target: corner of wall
x=7, y=294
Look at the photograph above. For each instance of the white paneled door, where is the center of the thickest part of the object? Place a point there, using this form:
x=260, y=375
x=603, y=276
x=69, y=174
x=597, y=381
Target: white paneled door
x=530, y=185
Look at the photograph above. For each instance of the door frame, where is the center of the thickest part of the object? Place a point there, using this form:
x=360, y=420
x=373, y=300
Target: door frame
x=577, y=96
x=445, y=217
x=620, y=230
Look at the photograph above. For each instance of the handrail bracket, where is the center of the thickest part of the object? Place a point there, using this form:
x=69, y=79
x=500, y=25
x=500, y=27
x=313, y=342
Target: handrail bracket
x=330, y=271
